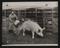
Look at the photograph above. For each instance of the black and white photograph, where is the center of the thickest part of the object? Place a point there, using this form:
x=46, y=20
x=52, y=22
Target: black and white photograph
x=30, y=23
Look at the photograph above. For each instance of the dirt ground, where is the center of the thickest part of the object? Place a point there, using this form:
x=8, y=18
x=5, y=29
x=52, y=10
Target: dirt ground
x=11, y=38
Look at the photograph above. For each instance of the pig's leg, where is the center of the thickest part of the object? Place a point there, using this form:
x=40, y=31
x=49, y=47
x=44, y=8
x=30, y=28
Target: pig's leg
x=23, y=32
x=32, y=35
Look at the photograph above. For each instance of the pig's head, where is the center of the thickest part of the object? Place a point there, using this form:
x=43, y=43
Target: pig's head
x=40, y=32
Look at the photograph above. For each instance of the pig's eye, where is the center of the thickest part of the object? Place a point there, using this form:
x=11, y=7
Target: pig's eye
x=38, y=31
x=12, y=14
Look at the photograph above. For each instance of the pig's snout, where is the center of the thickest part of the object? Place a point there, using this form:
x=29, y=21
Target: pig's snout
x=41, y=35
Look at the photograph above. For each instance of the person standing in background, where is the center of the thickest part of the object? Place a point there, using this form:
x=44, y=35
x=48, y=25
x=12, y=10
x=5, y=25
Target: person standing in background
x=12, y=19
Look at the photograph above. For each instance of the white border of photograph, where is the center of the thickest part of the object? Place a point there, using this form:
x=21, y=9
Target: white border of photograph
x=31, y=45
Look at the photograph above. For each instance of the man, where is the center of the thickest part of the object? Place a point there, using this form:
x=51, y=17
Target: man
x=12, y=19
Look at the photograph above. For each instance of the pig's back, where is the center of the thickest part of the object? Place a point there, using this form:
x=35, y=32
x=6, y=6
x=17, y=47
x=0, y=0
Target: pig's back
x=27, y=25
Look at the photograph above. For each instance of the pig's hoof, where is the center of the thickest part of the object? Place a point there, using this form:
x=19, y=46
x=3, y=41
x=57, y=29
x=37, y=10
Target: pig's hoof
x=32, y=37
x=23, y=34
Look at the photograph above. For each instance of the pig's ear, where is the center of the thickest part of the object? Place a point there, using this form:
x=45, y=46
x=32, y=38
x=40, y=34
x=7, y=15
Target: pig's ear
x=44, y=28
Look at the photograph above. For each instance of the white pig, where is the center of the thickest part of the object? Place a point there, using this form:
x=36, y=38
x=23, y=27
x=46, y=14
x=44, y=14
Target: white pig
x=33, y=27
